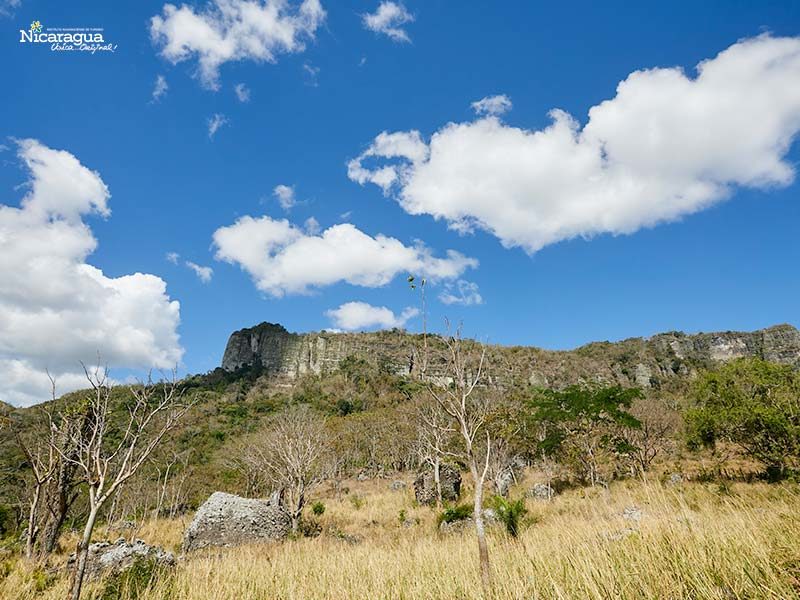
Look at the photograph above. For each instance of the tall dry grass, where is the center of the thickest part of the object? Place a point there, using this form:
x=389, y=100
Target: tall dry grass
x=693, y=541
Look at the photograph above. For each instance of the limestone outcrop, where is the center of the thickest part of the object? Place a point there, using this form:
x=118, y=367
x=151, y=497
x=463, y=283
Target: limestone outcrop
x=230, y=520
x=425, y=485
x=645, y=362
x=115, y=558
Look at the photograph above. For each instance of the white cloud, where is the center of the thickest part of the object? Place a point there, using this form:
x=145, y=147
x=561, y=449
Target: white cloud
x=462, y=292
x=665, y=146
x=172, y=257
x=311, y=226
x=389, y=19
x=311, y=74
x=55, y=308
x=203, y=273
x=215, y=122
x=492, y=105
x=406, y=145
x=360, y=315
x=285, y=196
x=242, y=92
x=284, y=259
x=233, y=30
x=160, y=88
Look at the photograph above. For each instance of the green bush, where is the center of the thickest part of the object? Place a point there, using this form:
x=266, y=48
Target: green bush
x=318, y=508
x=455, y=513
x=753, y=404
x=510, y=513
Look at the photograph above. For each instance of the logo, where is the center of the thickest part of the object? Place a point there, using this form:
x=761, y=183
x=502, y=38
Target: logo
x=67, y=39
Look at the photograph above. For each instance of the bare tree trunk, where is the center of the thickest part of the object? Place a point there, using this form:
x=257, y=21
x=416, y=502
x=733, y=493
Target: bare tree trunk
x=437, y=478
x=82, y=554
x=33, y=528
x=480, y=530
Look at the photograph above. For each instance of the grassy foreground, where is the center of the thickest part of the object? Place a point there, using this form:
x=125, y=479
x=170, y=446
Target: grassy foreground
x=693, y=541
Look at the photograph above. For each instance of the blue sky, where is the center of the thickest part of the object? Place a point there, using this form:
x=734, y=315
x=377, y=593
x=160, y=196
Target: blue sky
x=731, y=265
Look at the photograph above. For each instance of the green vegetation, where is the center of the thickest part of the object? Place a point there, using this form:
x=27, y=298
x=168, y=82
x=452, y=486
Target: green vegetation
x=754, y=405
x=455, y=513
x=510, y=513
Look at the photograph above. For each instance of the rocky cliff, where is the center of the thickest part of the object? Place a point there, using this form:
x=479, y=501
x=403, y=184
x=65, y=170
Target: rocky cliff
x=647, y=362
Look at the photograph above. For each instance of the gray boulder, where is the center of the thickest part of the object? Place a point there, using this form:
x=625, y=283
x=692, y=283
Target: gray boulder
x=632, y=513
x=115, y=558
x=541, y=491
x=425, y=485
x=490, y=519
x=397, y=485
x=503, y=481
x=229, y=520
x=675, y=479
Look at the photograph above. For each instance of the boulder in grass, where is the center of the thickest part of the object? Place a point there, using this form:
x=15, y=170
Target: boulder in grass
x=425, y=485
x=117, y=557
x=229, y=520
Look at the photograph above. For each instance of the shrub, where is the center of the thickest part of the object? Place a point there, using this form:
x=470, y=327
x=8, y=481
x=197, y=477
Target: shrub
x=510, y=513
x=357, y=501
x=455, y=513
x=753, y=404
x=318, y=508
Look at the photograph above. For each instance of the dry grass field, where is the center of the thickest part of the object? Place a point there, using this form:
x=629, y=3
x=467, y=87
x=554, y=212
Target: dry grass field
x=693, y=541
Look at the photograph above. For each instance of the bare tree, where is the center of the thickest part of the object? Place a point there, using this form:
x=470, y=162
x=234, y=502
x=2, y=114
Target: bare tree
x=433, y=436
x=43, y=463
x=658, y=421
x=464, y=369
x=105, y=464
x=43, y=460
x=293, y=456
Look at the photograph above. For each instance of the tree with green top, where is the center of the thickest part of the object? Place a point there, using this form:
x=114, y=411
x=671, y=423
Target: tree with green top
x=752, y=404
x=581, y=423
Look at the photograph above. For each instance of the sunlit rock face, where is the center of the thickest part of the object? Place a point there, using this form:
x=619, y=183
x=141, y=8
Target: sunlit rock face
x=651, y=362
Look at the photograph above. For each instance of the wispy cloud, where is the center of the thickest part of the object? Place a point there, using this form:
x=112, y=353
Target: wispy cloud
x=285, y=196
x=203, y=273
x=388, y=19
x=160, y=88
x=242, y=92
x=215, y=122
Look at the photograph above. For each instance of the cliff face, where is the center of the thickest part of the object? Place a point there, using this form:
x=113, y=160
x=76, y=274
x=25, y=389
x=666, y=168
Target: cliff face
x=647, y=362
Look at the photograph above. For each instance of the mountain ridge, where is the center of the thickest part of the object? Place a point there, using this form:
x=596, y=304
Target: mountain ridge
x=643, y=361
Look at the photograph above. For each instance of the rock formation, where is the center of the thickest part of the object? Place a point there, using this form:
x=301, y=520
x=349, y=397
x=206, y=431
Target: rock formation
x=229, y=520
x=646, y=362
x=105, y=557
x=425, y=486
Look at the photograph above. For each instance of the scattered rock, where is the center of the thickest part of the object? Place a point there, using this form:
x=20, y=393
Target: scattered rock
x=466, y=524
x=229, y=520
x=458, y=526
x=541, y=491
x=632, y=513
x=538, y=379
x=643, y=376
x=675, y=479
x=397, y=485
x=425, y=486
x=117, y=557
x=503, y=482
